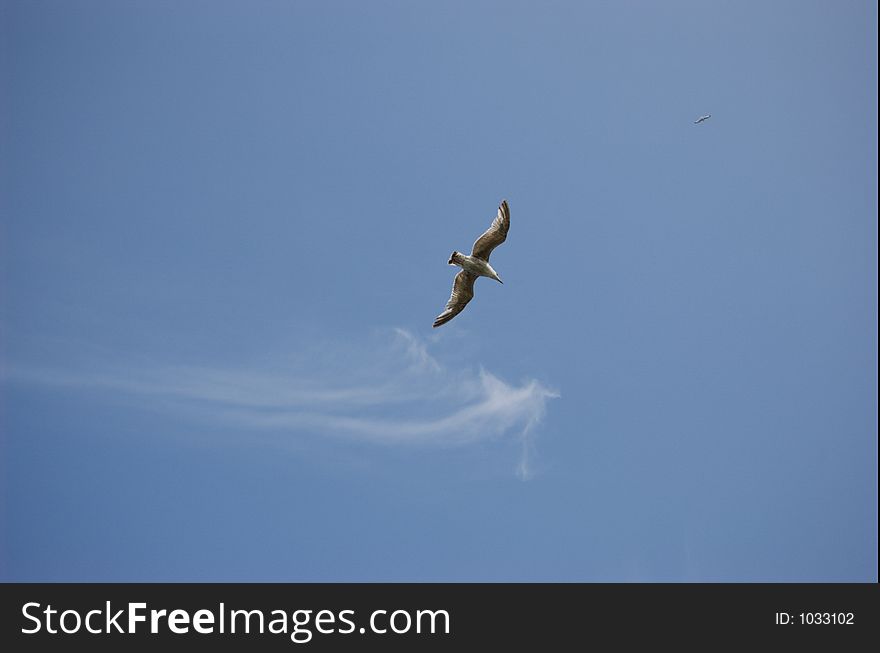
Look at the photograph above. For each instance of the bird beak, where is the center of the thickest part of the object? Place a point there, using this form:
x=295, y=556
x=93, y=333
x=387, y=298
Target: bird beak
x=499, y=280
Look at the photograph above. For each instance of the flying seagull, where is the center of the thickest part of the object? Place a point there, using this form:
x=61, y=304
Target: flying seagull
x=475, y=265
x=702, y=118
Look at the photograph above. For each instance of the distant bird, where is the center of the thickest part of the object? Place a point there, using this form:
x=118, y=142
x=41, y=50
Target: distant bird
x=702, y=118
x=475, y=265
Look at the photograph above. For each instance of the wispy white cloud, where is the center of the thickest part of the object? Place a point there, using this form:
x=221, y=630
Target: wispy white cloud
x=393, y=393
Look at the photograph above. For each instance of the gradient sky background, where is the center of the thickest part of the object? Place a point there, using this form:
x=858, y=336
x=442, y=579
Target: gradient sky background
x=225, y=228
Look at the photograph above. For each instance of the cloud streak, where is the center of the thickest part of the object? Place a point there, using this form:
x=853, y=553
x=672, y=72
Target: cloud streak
x=395, y=393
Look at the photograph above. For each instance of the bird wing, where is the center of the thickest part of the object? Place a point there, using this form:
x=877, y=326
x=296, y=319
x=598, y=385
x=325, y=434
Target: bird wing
x=462, y=293
x=494, y=235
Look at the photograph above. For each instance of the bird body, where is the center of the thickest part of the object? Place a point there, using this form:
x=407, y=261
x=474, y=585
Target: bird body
x=702, y=118
x=476, y=265
x=473, y=265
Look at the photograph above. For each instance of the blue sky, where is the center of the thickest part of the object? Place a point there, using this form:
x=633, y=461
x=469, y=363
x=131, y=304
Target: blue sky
x=224, y=234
